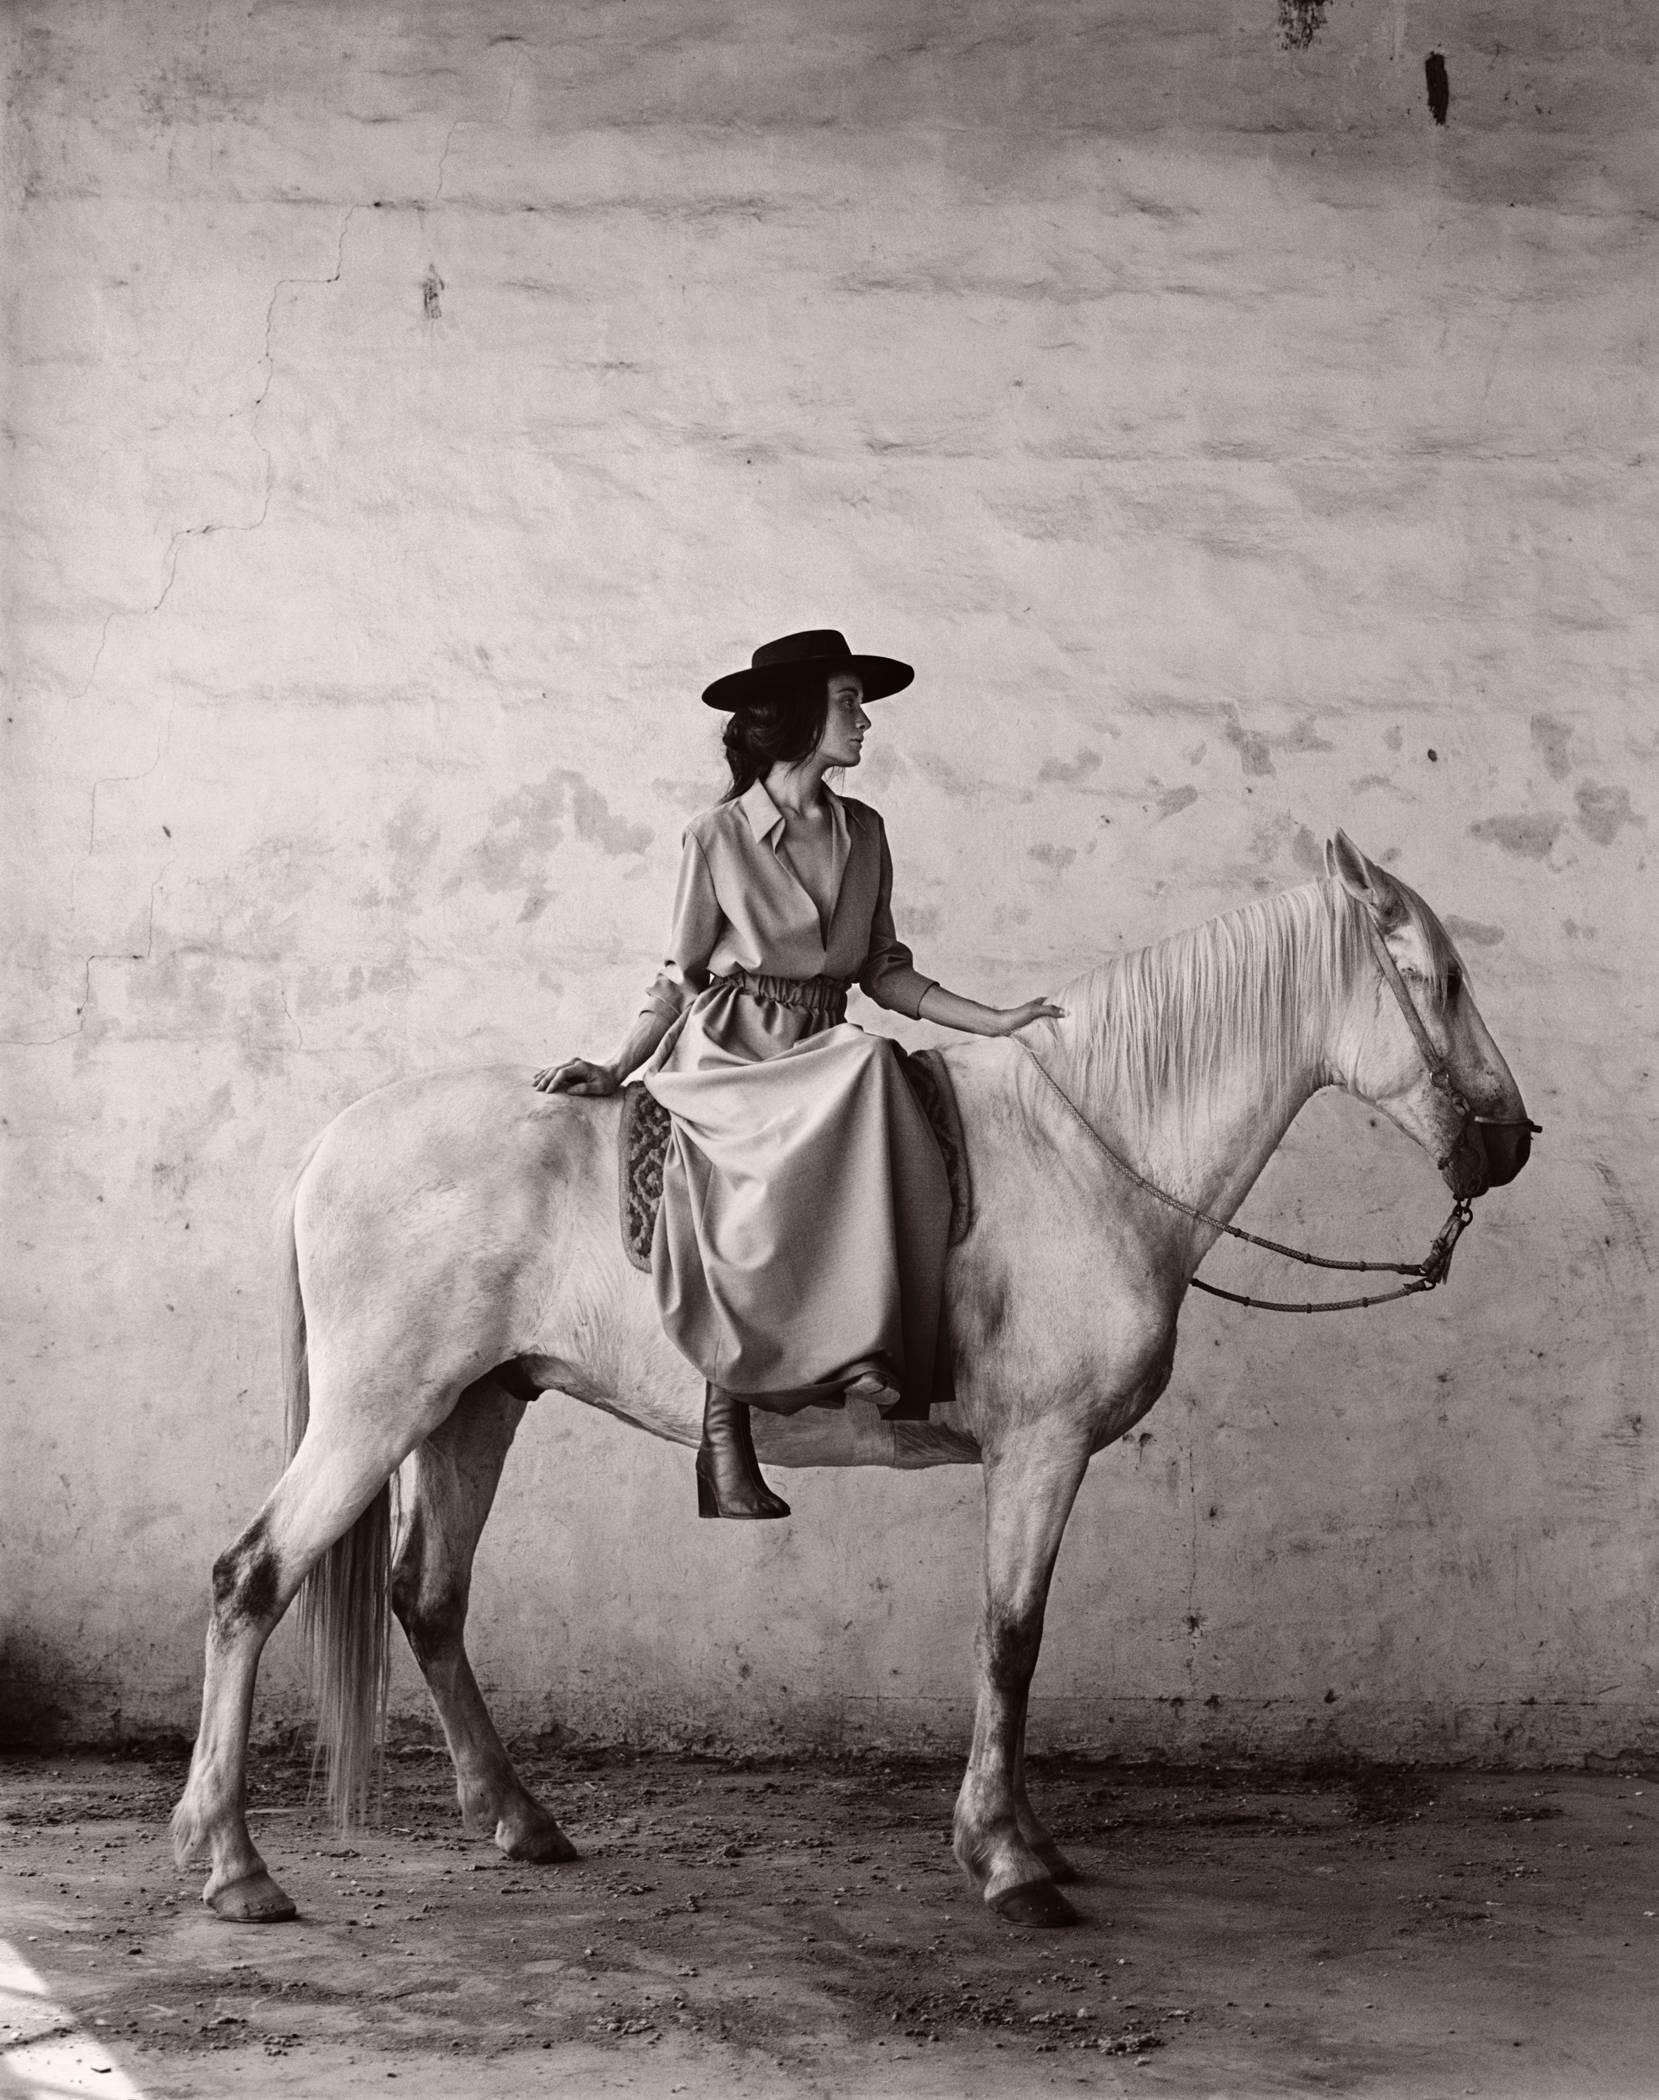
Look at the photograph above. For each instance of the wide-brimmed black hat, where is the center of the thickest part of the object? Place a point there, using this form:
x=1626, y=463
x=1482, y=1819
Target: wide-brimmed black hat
x=799, y=663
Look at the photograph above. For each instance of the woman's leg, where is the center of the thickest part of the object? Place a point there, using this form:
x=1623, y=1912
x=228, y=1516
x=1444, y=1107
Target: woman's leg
x=729, y=1482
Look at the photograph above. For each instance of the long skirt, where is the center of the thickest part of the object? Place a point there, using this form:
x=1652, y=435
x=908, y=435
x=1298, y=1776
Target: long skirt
x=800, y=1249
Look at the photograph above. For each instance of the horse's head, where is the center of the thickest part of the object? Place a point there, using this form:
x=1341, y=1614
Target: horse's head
x=1413, y=1043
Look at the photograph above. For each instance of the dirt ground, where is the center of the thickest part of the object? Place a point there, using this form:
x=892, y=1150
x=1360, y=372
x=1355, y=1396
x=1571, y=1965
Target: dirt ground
x=790, y=1929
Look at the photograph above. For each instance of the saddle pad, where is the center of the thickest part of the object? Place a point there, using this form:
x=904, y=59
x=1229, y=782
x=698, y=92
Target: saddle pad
x=643, y=1140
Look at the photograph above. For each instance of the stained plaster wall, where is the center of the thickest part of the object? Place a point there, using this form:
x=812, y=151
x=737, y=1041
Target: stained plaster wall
x=408, y=408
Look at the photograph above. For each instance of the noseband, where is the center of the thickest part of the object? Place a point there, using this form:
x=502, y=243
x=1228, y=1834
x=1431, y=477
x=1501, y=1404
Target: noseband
x=1425, y=1275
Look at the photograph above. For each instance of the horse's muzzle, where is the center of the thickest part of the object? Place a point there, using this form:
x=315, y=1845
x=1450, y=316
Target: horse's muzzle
x=1508, y=1147
x=1490, y=1152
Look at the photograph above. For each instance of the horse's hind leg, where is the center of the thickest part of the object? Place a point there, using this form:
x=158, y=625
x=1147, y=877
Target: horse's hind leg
x=1029, y=1488
x=333, y=1481
x=456, y=1473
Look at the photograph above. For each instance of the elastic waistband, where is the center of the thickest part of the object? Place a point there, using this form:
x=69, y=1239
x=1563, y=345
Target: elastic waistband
x=813, y=995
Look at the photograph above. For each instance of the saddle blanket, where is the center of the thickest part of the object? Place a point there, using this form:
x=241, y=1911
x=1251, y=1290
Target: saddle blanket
x=643, y=1140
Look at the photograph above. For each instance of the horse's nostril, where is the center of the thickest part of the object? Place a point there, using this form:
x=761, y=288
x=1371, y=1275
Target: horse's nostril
x=1508, y=1148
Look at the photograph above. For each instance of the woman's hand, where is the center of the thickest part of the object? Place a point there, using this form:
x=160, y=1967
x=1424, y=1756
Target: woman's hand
x=1014, y=1018
x=577, y=1075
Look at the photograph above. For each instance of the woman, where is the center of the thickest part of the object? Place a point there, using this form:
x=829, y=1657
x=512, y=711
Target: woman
x=800, y=1247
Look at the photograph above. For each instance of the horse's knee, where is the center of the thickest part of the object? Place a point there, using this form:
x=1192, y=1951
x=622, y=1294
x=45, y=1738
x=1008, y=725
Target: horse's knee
x=246, y=1581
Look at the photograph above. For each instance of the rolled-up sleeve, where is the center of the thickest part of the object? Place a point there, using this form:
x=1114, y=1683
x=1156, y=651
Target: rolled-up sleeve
x=692, y=934
x=889, y=975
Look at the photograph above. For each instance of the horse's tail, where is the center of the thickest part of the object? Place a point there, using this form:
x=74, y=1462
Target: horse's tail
x=344, y=1600
x=296, y=1369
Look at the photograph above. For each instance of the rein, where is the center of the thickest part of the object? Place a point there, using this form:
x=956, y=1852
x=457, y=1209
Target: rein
x=1425, y=1275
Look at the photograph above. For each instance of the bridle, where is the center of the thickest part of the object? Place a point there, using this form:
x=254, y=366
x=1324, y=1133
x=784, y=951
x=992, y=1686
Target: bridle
x=1425, y=1275
x=1440, y=1075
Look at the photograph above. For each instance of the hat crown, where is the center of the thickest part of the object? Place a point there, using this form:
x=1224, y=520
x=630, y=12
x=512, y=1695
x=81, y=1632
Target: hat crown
x=813, y=646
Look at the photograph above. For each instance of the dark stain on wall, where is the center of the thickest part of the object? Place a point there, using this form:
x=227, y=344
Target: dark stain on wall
x=411, y=837
x=1256, y=749
x=432, y=286
x=1307, y=852
x=1549, y=738
x=1472, y=932
x=1252, y=749
x=1070, y=769
x=1440, y=88
x=37, y=1688
x=1531, y=837
x=527, y=826
x=1603, y=810
x=1300, y=21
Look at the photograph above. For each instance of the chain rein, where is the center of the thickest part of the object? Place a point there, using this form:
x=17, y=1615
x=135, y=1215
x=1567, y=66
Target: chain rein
x=1425, y=1275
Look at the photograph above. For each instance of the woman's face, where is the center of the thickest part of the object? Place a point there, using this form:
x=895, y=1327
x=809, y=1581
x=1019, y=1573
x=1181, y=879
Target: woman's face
x=845, y=723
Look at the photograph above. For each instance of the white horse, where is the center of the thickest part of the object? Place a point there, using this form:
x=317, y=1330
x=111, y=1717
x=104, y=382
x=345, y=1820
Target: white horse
x=454, y=1249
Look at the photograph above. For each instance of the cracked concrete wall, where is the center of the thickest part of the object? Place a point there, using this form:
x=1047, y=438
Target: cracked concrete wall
x=409, y=408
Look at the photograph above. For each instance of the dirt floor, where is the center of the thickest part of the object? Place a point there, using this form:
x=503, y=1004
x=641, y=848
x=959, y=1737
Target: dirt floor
x=774, y=1929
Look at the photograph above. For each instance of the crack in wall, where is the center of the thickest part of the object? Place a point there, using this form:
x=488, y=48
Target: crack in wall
x=98, y=955
x=443, y=158
x=481, y=123
x=284, y=284
x=188, y=532
x=126, y=779
x=171, y=560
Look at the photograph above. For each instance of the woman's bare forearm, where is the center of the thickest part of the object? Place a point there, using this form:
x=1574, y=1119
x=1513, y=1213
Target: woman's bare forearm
x=585, y=1075
x=951, y=1010
x=637, y=1045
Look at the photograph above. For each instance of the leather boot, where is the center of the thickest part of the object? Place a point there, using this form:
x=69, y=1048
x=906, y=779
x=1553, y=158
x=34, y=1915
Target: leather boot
x=729, y=1483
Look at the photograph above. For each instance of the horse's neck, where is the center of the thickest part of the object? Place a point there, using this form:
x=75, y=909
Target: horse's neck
x=1204, y=1139
x=1210, y=1152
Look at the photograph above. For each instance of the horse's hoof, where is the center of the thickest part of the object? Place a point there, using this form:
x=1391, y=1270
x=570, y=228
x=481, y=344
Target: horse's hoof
x=255, y=1900
x=1059, y=1867
x=1034, y=1903
x=541, y=1842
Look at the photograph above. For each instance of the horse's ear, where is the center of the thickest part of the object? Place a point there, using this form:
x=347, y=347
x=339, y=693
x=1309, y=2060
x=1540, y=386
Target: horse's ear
x=1364, y=881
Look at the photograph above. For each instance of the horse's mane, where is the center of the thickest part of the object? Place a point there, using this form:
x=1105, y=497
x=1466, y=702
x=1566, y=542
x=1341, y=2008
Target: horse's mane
x=1182, y=1016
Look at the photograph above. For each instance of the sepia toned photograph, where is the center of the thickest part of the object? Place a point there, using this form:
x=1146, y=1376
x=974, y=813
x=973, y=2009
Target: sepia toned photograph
x=828, y=1066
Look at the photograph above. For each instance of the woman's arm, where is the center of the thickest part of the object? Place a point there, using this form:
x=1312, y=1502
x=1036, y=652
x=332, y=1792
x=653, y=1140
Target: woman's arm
x=891, y=979
x=692, y=936
x=580, y=1075
x=951, y=1010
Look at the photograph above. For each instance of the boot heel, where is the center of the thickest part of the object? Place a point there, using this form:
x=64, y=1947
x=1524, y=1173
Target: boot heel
x=708, y=1504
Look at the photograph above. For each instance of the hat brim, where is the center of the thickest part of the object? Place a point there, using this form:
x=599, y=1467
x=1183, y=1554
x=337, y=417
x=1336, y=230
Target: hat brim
x=881, y=675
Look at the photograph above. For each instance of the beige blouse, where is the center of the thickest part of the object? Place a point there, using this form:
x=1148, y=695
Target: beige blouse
x=741, y=906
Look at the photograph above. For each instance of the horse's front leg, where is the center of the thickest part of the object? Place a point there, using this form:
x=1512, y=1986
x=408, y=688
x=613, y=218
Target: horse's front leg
x=1032, y=1827
x=457, y=1471
x=1031, y=1482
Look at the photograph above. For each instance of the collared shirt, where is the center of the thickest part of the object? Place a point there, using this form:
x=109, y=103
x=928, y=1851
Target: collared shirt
x=740, y=905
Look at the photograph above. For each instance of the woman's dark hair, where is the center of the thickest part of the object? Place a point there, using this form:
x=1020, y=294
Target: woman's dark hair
x=772, y=733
